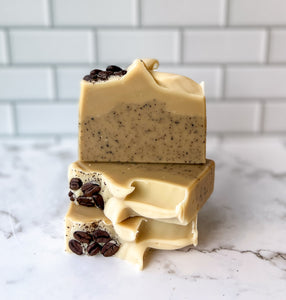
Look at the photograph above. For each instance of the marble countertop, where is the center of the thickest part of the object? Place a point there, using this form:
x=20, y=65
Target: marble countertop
x=242, y=231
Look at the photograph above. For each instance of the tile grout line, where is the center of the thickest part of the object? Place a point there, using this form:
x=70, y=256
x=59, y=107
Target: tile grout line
x=267, y=46
x=145, y=27
x=95, y=47
x=262, y=117
x=50, y=13
x=138, y=13
x=220, y=135
x=8, y=47
x=181, y=46
x=226, y=13
x=223, y=83
x=230, y=64
x=15, y=119
x=55, y=87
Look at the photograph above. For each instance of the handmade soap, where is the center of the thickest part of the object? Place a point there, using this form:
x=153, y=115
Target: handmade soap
x=171, y=193
x=89, y=232
x=141, y=115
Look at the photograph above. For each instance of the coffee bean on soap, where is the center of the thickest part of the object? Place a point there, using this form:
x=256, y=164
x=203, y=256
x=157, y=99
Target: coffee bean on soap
x=90, y=189
x=71, y=195
x=113, y=68
x=87, y=78
x=75, y=184
x=101, y=236
x=109, y=249
x=103, y=75
x=120, y=73
x=93, y=249
x=85, y=201
x=82, y=237
x=94, y=72
x=98, y=200
x=75, y=247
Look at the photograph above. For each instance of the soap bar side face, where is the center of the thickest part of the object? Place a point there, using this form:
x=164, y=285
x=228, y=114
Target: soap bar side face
x=88, y=233
x=171, y=193
x=140, y=119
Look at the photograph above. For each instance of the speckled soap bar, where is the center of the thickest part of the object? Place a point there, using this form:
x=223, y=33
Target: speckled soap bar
x=169, y=193
x=89, y=232
x=142, y=115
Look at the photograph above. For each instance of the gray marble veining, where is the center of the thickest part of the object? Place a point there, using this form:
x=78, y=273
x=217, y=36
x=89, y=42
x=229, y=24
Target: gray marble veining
x=242, y=231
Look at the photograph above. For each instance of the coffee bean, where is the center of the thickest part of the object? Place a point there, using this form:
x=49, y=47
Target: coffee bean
x=101, y=236
x=71, y=195
x=90, y=189
x=113, y=68
x=109, y=249
x=98, y=200
x=75, y=247
x=104, y=75
x=120, y=73
x=87, y=78
x=85, y=201
x=75, y=183
x=95, y=72
x=93, y=249
x=82, y=236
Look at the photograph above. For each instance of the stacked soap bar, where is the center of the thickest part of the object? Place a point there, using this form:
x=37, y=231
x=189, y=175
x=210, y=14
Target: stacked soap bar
x=142, y=175
x=144, y=116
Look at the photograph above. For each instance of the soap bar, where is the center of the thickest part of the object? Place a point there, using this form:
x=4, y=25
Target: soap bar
x=171, y=193
x=142, y=116
x=89, y=232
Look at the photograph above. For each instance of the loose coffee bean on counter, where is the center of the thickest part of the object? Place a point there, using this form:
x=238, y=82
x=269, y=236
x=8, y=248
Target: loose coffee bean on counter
x=98, y=200
x=109, y=249
x=75, y=247
x=93, y=249
x=75, y=184
x=101, y=236
x=85, y=201
x=89, y=189
x=71, y=195
x=113, y=68
x=82, y=237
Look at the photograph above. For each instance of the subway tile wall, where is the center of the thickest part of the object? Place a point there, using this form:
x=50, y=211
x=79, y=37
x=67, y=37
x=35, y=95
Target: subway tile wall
x=238, y=47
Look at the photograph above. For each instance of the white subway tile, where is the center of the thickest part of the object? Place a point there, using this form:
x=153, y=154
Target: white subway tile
x=224, y=46
x=26, y=83
x=94, y=12
x=47, y=118
x=257, y=12
x=275, y=117
x=6, y=119
x=244, y=82
x=233, y=117
x=23, y=12
x=182, y=12
x=3, y=48
x=52, y=46
x=212, y=77
x=121, y=46
x=278, y=46
x=69, y=81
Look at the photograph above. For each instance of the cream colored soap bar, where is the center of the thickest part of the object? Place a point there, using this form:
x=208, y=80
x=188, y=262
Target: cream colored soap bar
x=89, y=232
x=143, y=116
x=171, y=193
